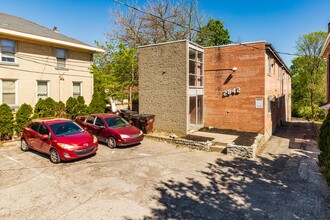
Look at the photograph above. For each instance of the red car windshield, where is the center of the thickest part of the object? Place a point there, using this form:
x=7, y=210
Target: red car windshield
x=116, y=122
x=66, y=128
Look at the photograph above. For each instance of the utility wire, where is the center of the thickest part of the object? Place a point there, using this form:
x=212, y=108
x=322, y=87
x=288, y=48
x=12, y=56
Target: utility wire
x=48, y=64
x=46, y=61
x=184, y=26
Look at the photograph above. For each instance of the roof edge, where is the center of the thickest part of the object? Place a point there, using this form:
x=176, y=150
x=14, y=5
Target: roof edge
x=325, y=45
x=50, y=40
x=271, y=48
x=167, y=42
x=236, y=44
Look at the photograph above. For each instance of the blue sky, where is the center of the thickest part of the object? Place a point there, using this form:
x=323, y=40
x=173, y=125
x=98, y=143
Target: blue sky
x=279, y=22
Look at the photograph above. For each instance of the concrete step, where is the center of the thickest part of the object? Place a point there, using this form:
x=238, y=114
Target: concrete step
x=218, y=147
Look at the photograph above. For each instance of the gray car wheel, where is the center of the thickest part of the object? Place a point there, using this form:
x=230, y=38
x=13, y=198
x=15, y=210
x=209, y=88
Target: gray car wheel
x=54, y=156
x=24, y=145
x=111, y=142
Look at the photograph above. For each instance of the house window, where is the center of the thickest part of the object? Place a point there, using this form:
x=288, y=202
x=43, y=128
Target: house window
x=269, y=61
x=9, y=92
x=8, y=51
x=76, y=89
x=269, y=104
x=42, y=90
x=61, y=56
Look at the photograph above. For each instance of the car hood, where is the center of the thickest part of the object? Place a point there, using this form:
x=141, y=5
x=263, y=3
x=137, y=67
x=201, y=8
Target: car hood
x=76, y=139
x=128, y=130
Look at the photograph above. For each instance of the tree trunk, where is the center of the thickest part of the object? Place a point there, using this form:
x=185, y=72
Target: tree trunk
x=130, y=98
x=312, y=104
x=130, y=102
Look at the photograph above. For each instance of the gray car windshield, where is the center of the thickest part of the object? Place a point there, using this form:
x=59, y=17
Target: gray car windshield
x=66, y=128
x=116, y=122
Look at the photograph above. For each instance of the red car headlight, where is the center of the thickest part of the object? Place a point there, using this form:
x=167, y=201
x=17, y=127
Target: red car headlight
x=124, y=136
x=94, y=139
x=65, y=146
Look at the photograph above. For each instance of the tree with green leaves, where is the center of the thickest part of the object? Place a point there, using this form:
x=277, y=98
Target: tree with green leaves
x=309, y=76
x=23, y=117
x=213, y=34
x=6, y=122
x=115, y=72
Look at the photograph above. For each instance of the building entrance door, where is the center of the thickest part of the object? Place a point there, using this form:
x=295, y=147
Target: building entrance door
x=195, y=112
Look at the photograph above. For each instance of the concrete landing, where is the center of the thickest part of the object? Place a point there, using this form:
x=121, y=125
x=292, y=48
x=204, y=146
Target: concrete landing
x=218, y=138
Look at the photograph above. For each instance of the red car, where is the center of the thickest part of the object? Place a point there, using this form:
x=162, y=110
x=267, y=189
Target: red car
x=60, y=138
x=111, y=129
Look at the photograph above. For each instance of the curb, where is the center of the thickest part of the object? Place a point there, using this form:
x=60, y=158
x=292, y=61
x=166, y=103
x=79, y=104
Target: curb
x=230, y=149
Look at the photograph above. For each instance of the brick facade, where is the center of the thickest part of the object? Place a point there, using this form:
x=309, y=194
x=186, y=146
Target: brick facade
x=238, y=111
x=247, y=87
x=234, y=111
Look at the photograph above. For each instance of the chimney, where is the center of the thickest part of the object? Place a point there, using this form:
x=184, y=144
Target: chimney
x=329, y=27
x=55, y=29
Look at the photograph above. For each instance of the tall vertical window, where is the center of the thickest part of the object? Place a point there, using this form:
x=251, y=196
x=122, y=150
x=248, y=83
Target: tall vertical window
x=195, y=68
x=8, y=51
x=269, y=61
x=269, y=104
x=279, y=72
x=42, y=90
x=8, y=92
x=76, y=89
x=61, y=56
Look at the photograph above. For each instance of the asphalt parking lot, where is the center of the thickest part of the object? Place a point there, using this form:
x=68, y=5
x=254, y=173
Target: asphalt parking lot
x=156, y=180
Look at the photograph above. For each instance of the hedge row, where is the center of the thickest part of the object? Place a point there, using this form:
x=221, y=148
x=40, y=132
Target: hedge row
x=324, y=145
x=10, y=123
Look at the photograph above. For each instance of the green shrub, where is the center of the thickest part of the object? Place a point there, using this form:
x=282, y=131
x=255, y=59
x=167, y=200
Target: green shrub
x=6, y=122
x=306, y=112
x=75, y=107
x=60, y=109
x=98, y=103
x=45, y=108
x=324, y=145
x=23, y=117
x=83, y=109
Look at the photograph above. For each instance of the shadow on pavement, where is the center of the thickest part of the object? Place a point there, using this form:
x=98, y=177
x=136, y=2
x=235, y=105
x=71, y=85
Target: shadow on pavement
x=270, y=188
x=240, y=189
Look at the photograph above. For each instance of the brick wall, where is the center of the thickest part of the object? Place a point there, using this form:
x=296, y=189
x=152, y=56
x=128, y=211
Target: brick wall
x=237, y=112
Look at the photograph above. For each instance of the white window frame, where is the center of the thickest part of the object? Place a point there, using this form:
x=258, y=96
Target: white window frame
x=14, y=56
x=48, y=90
x=80, y=83
x=16, y=91
x=65, y=59
x=196, y=61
